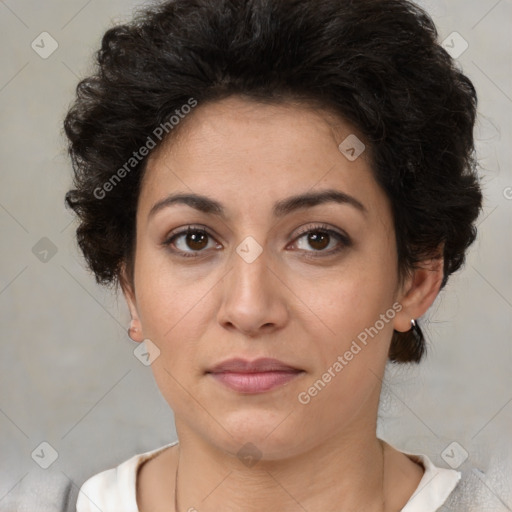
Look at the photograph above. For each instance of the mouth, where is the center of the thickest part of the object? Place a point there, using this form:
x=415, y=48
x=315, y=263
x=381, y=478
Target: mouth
x=256, y=376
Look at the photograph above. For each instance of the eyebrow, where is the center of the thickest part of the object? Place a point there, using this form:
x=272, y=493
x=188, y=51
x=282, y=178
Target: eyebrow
x=281, y=208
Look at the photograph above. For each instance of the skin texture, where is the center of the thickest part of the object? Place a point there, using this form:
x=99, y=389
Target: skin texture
x=304, y=311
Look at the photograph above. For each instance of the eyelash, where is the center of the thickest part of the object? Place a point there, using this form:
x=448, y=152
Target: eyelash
x=320, y=228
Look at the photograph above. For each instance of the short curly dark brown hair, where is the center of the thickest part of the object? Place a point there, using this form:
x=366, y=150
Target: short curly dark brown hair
x=375, y=63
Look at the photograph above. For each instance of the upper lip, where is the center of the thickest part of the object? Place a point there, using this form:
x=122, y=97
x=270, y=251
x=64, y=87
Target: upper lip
x=264, y=364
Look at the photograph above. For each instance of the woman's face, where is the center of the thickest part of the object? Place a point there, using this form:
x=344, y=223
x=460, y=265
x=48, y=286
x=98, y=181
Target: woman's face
x=257, y=285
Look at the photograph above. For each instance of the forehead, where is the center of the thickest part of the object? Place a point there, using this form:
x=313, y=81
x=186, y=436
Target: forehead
x=256, y=153
x=247, y=123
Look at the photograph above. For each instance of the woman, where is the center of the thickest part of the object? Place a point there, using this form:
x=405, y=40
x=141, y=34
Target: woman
x=281, y=188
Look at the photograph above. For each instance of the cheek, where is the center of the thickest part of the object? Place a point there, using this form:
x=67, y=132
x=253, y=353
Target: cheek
x=350, y=355
x=175, y=312
x=354, y=310
x=353, y=297
x=169, y=295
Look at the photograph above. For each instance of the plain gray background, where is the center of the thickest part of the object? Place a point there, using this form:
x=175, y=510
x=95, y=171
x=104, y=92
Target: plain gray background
x=68, y=375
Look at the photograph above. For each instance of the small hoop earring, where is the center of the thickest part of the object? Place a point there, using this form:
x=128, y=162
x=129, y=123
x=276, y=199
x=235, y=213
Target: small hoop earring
x=415, y=331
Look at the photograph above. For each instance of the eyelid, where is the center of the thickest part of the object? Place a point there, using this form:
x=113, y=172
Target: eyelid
x=184, y=230
x=323, y=227
x=342, y=237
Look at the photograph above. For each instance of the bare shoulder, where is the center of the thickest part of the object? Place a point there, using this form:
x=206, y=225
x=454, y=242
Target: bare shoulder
x=155, y=482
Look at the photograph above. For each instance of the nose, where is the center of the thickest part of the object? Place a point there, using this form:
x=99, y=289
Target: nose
x=254, y=297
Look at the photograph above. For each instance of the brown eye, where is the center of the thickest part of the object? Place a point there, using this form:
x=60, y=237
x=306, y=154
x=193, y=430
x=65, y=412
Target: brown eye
x=190, y=242
x=196, y=240
x=321, y=240
x=318, y=240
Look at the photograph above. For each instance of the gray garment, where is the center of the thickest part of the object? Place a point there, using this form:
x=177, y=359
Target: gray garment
x=41, y=491
x=481, y=492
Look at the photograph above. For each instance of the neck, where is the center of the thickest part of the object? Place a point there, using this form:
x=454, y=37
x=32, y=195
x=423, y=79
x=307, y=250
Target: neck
x=343, y=473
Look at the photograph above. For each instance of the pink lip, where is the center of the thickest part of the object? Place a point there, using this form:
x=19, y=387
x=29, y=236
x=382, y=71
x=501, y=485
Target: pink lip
x=263, y=364
x=255, y=382
x=253, y=376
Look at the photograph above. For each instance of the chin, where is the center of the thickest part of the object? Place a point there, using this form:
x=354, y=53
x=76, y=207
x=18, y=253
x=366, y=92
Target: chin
x=265, y=433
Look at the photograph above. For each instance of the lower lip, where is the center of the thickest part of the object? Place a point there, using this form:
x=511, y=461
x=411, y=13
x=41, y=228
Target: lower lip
x=255, y=382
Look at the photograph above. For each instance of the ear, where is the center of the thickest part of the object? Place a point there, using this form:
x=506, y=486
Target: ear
x=419, y=292
x=135, y=330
